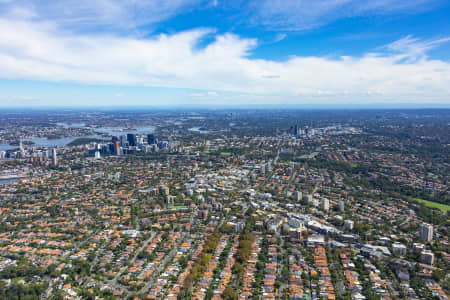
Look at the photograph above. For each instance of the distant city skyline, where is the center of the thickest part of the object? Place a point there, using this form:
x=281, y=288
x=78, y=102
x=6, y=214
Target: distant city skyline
x=213, y=53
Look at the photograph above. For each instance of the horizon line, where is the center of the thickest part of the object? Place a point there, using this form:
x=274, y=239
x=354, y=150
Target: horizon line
x=343, y=107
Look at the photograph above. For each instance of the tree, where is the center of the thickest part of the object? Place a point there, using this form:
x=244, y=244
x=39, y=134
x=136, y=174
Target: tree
x=438, y=274
x=238, y=269
x=229, y=293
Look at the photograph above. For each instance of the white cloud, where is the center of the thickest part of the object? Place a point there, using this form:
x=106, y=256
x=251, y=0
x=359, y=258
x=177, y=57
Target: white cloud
x=40, y=51
x=86, y=14
x=16, y=100
x=279, y=37
x=307, y=14
x=414, y=48
x=206, y=94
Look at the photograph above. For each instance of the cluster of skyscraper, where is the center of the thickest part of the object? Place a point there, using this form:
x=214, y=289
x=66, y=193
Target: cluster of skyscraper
x=131, y=143
x=32, y=153
x=299, y=132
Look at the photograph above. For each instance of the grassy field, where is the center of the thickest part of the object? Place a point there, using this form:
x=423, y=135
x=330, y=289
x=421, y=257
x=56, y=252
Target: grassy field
x=443, y=207
x=176, y=207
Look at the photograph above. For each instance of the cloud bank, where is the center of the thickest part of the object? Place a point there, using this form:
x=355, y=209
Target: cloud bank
x=41, y=51
x=95, y=42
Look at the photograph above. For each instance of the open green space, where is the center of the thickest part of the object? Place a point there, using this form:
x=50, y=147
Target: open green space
x=176, y=206
x=84, y=141
x=443, y=207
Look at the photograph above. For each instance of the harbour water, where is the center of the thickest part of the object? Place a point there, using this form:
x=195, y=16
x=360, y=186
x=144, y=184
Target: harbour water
x=61, y=142
x=9, y=181
x=4, y=147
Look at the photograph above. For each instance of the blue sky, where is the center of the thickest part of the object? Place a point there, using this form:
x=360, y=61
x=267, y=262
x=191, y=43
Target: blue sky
x=218, y=53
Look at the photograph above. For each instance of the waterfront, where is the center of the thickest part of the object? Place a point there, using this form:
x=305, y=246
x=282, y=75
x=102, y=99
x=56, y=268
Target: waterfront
x=7, y=181
x=61, y=142
x=4, y=147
